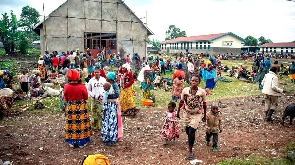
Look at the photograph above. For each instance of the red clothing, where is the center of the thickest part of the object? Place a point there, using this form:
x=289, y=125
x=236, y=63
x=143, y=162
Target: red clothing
x=62, y=59
x=54, y=61
x=127, y=60
x=75, y=92
x=102, y=74
x=178, y=73
x=128, y=79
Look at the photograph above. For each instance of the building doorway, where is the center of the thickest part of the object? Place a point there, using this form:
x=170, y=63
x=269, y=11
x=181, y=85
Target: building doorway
x=100, y=42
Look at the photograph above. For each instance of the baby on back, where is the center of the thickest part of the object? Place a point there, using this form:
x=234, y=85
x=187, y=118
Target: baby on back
x=108, y=89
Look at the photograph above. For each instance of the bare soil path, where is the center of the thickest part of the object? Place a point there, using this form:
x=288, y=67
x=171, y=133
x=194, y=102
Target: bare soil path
x=38, y=138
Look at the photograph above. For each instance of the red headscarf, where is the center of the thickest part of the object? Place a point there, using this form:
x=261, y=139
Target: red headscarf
x=73, y=75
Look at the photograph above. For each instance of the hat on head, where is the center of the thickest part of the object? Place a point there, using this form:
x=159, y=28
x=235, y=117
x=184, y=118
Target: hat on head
x=127, y=66
x=111, y=76
x=73, y=75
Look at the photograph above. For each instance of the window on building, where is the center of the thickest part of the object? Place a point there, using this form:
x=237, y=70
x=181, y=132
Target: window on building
x=177, y=46
x=200, y=43
x=275, y=51
x=270, y=50
x=200, y=46
x=204, y=46
x=165, y=46
x=181, y=46
x=197, y=46
x=209, y=47
x=162, y=46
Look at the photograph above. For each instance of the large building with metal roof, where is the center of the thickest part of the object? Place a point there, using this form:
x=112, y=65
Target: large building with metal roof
x=214, y=44
x=80, y=24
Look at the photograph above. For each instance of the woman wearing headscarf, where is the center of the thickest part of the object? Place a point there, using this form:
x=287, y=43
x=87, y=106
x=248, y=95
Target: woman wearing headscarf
x=41, y=68
x=111, y=132
x=78, y=128
x=126, y=93
x=178, y=83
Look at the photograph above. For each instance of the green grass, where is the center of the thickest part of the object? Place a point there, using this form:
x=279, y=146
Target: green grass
x=31, y=52
x=256, y=160
x=7, y=64
x=2, y=51
x=34, y=52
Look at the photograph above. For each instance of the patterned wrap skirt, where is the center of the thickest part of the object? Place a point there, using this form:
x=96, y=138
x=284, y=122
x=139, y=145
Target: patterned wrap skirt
x=95, y=114
x=127, y=98
x=170, y=130
x=78, y=128
x=42, y=70
x=109, y=131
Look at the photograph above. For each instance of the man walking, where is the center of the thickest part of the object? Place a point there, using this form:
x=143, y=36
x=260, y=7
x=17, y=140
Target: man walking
x=272, y=91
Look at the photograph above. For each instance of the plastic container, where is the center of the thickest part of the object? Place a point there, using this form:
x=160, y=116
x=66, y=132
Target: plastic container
x=146, y=102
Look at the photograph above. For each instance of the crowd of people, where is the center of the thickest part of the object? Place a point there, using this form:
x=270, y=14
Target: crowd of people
x=111, y=92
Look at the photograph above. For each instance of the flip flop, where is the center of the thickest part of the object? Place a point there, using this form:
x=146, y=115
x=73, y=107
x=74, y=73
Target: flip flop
x=190, y=156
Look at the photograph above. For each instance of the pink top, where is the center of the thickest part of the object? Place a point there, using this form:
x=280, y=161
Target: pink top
x=171, y=116
x=23, y=78
x=190, y=67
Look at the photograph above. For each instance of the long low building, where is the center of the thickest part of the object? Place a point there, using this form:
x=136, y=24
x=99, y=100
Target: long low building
x=279, y=48
x=221, y=43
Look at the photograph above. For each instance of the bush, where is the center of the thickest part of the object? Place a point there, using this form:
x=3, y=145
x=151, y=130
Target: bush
x=23, y=45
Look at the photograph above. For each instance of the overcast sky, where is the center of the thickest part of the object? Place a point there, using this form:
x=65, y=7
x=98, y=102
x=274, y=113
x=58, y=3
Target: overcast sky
x=273, y=19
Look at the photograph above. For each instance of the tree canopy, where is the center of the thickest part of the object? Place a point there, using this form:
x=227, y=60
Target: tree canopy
x=8, y=31
x=251, y=41
x=13, y=32
x=155, y=43
x=174, y=32
x=262, y=40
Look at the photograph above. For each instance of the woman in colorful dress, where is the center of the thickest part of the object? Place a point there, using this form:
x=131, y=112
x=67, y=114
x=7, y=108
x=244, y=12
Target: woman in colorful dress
x=78, y=128
x=109, y=131
x=178, y=83
x=126, y=93
x=42, y=69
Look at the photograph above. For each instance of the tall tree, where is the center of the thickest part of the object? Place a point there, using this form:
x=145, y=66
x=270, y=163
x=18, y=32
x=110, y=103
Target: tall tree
x=174, y=32
x=8, y=31
x=29, y=18
x=262, y=40
x=251, y=41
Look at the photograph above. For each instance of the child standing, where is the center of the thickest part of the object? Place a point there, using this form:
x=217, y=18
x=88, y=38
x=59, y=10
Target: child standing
x=170, y=129
x=213, y=125
x=24, y=82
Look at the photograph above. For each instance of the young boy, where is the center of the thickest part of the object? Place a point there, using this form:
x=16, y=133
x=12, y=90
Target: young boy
x=213, y=125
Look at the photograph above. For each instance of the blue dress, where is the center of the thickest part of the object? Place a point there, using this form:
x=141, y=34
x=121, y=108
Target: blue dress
x=109, y=131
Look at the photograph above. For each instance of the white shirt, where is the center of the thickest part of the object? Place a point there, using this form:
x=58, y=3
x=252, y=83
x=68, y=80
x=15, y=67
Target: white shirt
x=141, y=73
x=95, y=87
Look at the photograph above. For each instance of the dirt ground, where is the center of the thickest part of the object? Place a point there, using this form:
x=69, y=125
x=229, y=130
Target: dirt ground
x=38, y=138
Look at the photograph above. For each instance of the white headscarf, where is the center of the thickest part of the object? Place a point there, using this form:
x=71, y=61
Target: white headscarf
x=127, y=66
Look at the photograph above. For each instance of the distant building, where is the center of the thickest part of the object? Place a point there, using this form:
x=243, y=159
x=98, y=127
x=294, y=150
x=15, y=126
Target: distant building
x=93, y=24
x=152, y=50
x=221, y=43
x=36, y=44
x=279, y=48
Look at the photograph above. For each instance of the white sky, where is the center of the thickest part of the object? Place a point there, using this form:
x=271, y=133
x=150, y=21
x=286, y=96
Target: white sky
x=273, y=19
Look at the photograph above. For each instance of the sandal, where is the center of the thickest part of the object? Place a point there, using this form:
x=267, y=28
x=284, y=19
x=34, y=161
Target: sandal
x=190, y=156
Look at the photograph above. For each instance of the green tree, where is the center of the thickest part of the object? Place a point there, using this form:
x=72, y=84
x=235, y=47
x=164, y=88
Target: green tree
x=174, y=32
x=251, y=41
x=29, y=18
x=23, y=45
x=262, y=40
x=8, y=31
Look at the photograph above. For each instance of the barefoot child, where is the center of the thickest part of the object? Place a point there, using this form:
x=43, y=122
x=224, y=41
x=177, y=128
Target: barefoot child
x=213, y=125
x=170, y=128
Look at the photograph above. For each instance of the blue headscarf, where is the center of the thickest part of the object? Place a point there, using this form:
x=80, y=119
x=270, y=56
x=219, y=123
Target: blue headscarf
x=179, y=66
x=111, y=76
